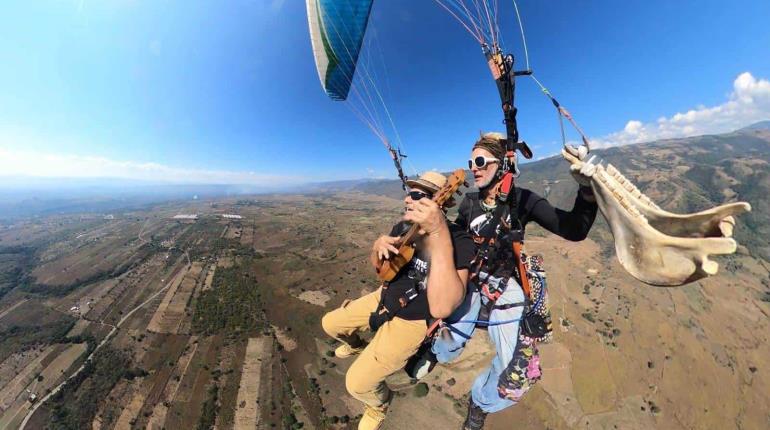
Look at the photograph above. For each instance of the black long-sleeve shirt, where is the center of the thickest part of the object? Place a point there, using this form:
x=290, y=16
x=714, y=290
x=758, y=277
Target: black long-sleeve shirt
x=573, y=225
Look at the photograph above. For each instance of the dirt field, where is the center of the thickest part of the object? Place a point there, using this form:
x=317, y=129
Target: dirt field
x=209, y=277
x=50, y=376
x=233, y=232
x=12, y=308
x=12, y=367
x=287, y=342
x=104, y=296
x=88, y=261
x=317, y=298
x=159, y=413
x=79, y=327
x=185, y=409
x=231, y=366
x=247, y=235
x=131, y=410
x=247, y=414
x=16, y=386
x=159, y=323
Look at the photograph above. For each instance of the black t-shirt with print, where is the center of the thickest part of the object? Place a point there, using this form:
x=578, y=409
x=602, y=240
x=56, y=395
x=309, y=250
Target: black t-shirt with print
x=415, y=273
x=572, y=225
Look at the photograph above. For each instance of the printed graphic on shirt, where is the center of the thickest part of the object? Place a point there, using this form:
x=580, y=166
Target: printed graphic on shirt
x=418, y=270
x=482, y=225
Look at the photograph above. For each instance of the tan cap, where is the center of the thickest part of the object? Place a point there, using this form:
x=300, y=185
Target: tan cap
x=428, y=181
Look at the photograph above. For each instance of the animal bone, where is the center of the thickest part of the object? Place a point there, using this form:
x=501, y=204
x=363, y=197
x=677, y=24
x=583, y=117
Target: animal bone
x=714, y=222
x=653, y=245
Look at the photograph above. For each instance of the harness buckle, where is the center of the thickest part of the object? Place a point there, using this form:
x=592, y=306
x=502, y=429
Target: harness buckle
x=492, y=294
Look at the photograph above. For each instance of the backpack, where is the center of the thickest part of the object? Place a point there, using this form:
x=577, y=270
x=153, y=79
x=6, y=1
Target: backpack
x=537, y=323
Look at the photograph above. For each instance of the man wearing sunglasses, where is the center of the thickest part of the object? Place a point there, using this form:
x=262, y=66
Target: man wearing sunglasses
x=504, y=309
x=431, y=285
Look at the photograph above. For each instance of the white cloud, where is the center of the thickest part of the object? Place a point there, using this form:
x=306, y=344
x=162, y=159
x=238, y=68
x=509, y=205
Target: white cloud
x=749, y=102
x=39, y=164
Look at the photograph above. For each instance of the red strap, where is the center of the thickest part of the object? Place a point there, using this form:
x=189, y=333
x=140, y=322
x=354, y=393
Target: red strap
x=506, y=184
x=492, y=296
x=432, y=328
x=522, y=270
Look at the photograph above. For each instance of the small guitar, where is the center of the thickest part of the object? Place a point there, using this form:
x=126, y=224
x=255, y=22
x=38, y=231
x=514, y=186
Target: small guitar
x=390, y=267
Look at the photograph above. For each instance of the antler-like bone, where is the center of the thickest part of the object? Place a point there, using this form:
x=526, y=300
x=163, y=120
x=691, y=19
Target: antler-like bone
x=656, y=246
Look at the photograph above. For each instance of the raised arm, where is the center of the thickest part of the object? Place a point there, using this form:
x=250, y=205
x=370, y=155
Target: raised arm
x=572, y=225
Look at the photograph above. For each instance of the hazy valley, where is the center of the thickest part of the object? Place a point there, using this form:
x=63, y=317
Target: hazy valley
x=214, y=322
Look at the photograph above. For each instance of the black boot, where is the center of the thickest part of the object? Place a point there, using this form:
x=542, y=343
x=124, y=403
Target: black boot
x=475, y=418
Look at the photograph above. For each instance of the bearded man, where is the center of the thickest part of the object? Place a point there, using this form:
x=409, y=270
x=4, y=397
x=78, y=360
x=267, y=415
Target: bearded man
x=430, y=286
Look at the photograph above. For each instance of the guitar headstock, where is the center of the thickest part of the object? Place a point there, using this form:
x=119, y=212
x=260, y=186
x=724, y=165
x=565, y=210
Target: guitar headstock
x=453, y=183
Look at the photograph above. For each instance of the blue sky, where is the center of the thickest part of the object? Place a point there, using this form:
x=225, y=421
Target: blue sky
x=227, y=91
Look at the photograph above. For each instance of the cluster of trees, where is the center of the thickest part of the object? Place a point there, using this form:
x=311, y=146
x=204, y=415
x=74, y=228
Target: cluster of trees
x=15, y=264
x=76, y=404
x=210, y=409
x=17, y=338
x=231, y=306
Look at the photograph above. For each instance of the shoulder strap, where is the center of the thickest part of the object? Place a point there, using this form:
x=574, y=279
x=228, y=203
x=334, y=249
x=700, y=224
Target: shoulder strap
x=522, y=269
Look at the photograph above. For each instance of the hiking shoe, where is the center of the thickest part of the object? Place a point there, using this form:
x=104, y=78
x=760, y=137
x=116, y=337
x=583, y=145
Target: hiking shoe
x=345, y=350
x=371, y=419
x=421, y=363
x=475, y=418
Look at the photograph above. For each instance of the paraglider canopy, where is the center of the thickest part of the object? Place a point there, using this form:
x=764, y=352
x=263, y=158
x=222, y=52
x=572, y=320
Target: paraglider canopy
x=337, y=30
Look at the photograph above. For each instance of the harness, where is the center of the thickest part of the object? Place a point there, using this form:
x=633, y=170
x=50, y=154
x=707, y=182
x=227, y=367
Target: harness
x=386, y=311
x=389, y=309
x=500, y=256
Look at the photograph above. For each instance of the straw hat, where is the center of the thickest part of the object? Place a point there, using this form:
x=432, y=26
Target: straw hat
x=428, y=181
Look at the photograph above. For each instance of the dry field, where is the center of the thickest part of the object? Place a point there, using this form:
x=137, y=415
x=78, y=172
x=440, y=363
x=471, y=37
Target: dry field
x=160, y=323
x=12, y=308
x=86, y=262
x=175, y=315
x=625, y=355
x=38, y=376
x=247, y=235
x=15, y=387
x=247, y=414
x=210, y=277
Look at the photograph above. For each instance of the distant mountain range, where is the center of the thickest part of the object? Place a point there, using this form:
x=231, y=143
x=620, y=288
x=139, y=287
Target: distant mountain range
x=762, y=125
x=23, y=197
x=681, y=175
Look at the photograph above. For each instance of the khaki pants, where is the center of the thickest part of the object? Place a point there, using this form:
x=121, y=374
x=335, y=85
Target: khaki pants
x=387, y=353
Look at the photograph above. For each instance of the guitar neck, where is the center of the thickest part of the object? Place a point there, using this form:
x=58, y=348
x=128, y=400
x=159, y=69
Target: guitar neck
x=409, y=237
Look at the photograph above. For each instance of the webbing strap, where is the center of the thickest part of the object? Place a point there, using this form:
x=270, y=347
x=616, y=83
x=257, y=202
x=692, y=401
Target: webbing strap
x=509, y=306
x=522, y=270
x=457, y=331
x=432, y=328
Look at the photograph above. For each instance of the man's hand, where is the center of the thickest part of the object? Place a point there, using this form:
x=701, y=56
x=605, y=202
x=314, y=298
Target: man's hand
x=426, y=214
x=384, y=246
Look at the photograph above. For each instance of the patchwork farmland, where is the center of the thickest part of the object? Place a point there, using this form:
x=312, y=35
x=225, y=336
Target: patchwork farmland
x=213, y=322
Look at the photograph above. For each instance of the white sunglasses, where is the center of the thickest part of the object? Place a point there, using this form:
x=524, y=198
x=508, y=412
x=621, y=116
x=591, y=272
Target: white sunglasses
x=481, y=161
